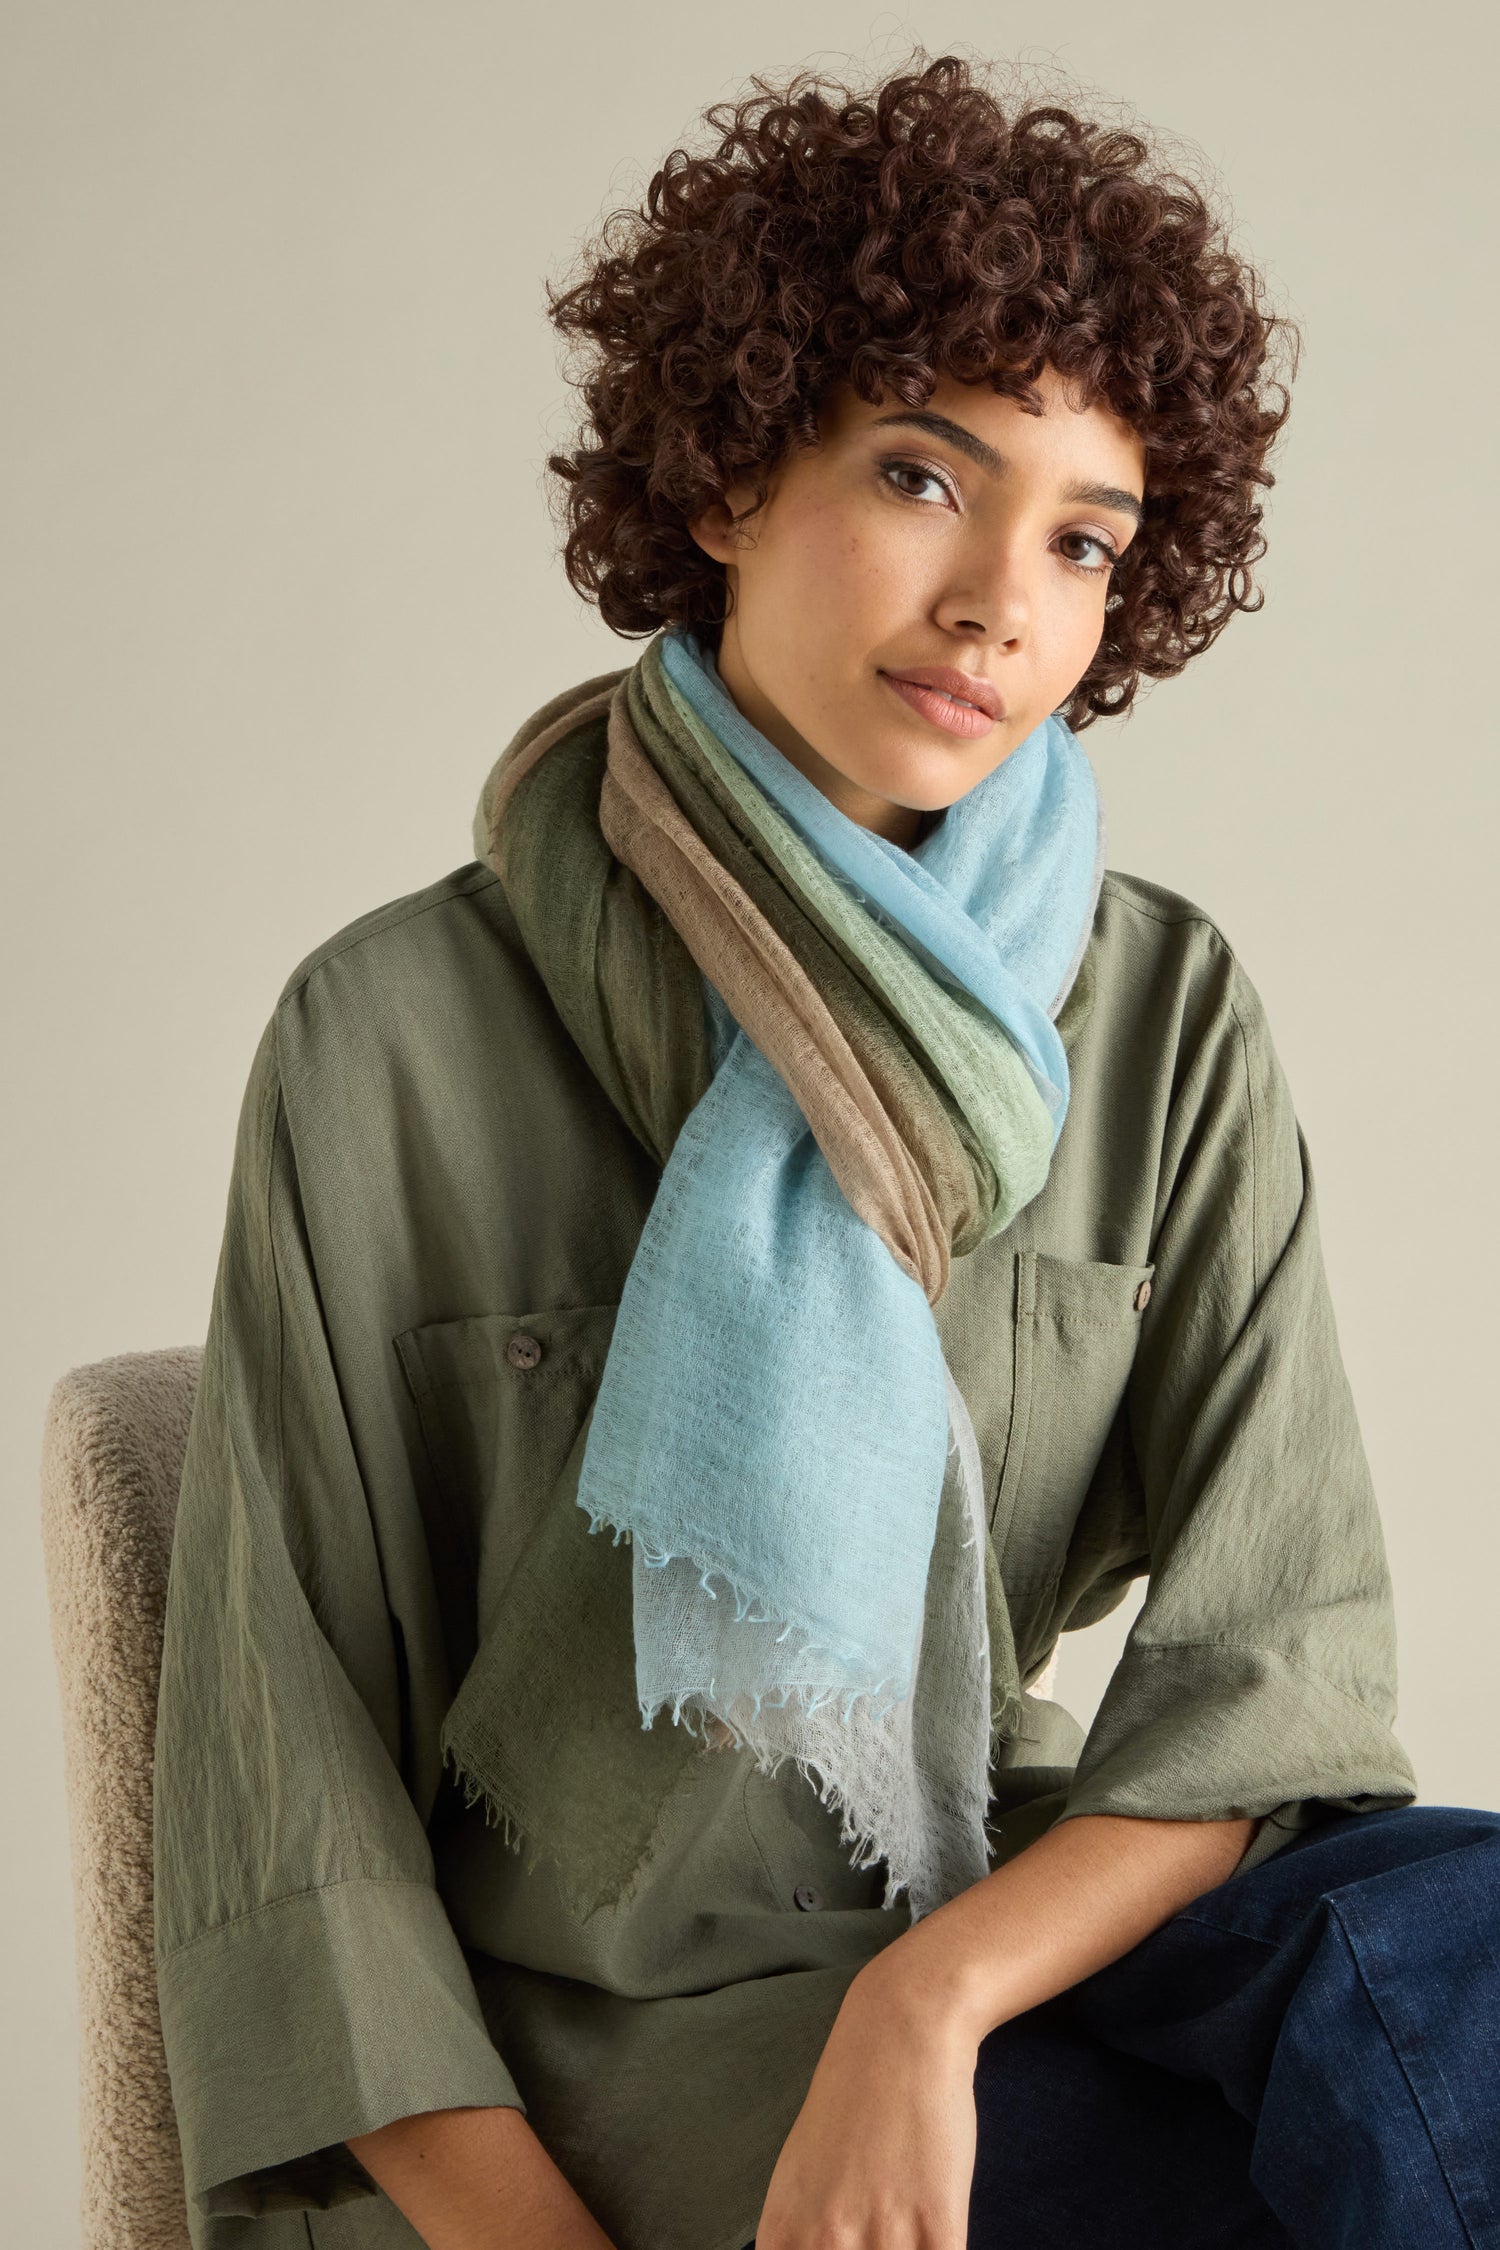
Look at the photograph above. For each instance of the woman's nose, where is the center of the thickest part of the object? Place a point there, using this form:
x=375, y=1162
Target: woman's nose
x=992, y=602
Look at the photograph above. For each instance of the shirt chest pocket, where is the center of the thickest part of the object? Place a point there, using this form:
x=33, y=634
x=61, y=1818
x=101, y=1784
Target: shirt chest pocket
x=503, y=1400
x=1077, y=1325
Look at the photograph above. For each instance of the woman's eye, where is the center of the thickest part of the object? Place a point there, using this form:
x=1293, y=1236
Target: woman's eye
x=1100, y=546
x=920, y=473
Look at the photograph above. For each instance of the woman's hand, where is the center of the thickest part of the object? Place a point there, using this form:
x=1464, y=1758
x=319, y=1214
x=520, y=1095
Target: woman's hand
x=881, y=2156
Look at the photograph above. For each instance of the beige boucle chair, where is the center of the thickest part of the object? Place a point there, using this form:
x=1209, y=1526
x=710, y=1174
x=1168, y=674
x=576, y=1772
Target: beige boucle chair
x=112, y=1452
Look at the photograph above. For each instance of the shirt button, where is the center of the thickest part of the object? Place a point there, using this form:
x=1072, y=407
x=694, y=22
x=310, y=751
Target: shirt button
x=808, y=1897
x=1143, y=1296
x=523, y=1351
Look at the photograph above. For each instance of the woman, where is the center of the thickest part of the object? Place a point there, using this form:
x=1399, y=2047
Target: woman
x=787, y=1149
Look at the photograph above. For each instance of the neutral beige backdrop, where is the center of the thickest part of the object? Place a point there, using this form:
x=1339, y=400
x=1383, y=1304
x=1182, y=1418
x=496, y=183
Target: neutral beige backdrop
x=280, y=578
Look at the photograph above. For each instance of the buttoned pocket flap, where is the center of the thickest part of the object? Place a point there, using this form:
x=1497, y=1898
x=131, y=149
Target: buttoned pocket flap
x=502, y=1398
x=1078, y=1322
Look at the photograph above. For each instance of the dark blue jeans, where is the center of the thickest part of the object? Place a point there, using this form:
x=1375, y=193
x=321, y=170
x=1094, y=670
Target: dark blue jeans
x=1308, y=2055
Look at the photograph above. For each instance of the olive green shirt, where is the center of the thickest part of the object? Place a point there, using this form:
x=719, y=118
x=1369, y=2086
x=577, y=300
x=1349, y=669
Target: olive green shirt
x=425, y=1170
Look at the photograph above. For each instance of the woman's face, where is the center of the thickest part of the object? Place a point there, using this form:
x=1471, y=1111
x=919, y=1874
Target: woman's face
x=963, y=537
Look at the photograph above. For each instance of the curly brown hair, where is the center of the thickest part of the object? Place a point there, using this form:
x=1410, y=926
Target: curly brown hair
x=880, y=239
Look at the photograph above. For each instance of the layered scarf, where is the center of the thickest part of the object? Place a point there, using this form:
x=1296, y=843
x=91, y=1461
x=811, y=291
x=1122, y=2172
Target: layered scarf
x=843, y=1056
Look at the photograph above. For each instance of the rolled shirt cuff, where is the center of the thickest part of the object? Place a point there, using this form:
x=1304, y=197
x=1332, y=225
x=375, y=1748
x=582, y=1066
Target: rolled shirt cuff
x=1219, y=1731
x=320, y=2016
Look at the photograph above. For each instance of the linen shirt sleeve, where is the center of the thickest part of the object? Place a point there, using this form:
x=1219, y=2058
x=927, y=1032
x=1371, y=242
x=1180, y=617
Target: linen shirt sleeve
x=1259, y=1678
x=311, y=1984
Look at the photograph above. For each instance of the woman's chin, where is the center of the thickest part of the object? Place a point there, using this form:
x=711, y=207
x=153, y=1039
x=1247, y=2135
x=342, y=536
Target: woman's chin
x=919, y=778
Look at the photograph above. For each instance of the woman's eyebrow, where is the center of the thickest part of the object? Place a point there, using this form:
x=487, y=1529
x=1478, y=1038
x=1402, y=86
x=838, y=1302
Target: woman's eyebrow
x=1102, y=495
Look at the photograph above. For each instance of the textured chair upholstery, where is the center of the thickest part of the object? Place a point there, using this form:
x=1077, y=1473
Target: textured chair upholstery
x=112, y=1453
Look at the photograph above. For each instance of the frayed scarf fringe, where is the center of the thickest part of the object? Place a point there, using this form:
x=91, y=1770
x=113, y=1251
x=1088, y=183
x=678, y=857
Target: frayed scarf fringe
x=861, y=1843
x=580, y=1903
x=891, y=1688
x=475, y=1793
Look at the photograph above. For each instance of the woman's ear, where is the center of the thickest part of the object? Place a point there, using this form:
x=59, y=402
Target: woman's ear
x=714, y=531
x=723, y=530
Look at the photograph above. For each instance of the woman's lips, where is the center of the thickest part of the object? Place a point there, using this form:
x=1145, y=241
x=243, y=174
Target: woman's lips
x=945, y=711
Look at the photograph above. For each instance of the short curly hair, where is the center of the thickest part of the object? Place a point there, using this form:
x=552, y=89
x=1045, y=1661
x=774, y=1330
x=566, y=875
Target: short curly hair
x=880, y=239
